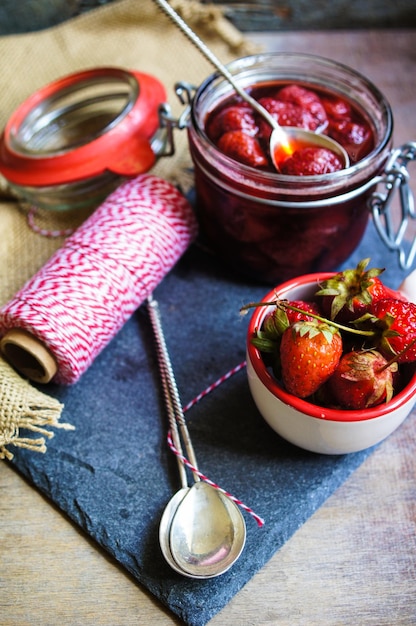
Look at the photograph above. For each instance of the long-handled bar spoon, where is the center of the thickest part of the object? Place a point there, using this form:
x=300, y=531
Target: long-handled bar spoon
x=283, y=140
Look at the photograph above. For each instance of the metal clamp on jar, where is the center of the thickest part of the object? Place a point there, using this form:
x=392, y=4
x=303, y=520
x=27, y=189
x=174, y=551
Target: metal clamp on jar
x=395, y=181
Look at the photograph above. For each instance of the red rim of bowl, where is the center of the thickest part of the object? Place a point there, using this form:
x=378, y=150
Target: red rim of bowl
x=320, y=412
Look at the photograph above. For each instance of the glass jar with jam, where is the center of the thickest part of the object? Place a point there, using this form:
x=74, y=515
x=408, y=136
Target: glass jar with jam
x=272, y=225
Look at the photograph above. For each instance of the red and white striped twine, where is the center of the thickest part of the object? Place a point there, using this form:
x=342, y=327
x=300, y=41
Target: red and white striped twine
x=217, y=383
x=45, y=232
x=83, y=295
x=259, y=520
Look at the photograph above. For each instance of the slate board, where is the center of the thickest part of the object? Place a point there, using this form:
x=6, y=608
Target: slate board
x=114, y=474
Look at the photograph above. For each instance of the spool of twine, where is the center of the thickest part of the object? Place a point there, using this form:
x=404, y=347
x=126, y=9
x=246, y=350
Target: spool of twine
x=63, y=317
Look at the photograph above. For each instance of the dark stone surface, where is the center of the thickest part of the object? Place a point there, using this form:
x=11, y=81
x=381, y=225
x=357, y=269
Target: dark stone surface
x=31, y=15
x=114, y=474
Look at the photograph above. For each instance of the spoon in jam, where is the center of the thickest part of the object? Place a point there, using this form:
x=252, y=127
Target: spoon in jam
x=284, y=140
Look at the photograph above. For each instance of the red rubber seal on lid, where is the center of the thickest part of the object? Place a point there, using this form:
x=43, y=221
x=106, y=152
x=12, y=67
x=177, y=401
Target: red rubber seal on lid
x=116, y=141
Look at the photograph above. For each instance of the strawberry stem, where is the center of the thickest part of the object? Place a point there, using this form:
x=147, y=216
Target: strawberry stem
x=397, y=356
x=282, y=303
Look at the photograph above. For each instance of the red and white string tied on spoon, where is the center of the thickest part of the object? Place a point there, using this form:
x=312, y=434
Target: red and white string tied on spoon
x=217, y=383
x=105, y=270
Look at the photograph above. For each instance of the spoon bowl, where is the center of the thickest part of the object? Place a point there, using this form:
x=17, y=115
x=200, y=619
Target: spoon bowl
x=207, y=532
x=165, y=525
x=281, y=136
x=284, y=140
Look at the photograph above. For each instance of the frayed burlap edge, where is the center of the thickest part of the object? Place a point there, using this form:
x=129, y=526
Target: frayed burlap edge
x=23, y=407
x=212, y=18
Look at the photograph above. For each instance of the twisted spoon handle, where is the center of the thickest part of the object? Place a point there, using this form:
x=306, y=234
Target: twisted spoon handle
x=170, y=389
x=210, y=56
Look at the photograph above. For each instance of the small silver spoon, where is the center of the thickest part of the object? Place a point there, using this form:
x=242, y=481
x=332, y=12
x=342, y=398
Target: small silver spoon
x=287, y=137
x=172, y=523
x=173, y=504
x=202, y=531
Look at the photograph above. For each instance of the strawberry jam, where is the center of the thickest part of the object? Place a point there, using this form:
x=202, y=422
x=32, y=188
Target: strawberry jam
x=269, y=225
x=244, y=135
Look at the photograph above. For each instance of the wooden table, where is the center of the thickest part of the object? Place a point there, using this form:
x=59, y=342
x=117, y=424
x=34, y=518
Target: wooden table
x=353, y=562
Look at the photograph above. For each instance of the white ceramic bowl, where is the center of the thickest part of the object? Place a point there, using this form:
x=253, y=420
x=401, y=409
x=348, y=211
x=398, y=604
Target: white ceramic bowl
x=315, y=428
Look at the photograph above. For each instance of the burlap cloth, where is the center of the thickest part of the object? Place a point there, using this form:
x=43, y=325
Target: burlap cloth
x=126, y=34
x=24, y=408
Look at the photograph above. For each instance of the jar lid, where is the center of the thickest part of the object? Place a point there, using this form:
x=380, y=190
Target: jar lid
x=81, y=126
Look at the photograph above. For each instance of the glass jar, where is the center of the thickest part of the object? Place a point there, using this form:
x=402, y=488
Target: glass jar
x=271, y=226
x=73, y=141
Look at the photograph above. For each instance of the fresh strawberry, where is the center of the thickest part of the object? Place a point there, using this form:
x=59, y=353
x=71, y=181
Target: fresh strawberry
x=355, y=138
x=306, y=99
x=349, y=294
x=243, y=148
x=311, y=161
x=286, y=114
x=309, y=354
x=275, y=323
x=336, y=108
x=277, y=320
x=235, y=117
x=267, y=338
x=397, y=321
x=362, y=379
x=304, y=306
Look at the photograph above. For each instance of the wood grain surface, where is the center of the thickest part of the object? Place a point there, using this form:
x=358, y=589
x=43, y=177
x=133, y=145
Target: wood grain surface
x=30, y=15
x=352, y=563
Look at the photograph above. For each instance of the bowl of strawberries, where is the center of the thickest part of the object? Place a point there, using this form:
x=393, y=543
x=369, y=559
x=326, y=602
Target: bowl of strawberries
x=331, y=359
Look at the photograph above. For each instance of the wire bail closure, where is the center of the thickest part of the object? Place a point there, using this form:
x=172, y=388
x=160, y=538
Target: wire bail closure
x=168, y=122
x=396, y=179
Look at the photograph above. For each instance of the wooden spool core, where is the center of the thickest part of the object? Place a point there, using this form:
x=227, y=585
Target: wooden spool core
x=28, y=355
